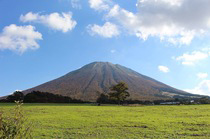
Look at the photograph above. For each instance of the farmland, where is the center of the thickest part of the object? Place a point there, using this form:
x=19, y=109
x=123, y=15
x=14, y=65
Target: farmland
x=87, y=121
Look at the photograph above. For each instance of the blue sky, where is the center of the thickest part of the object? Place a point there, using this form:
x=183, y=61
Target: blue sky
x=166, y=40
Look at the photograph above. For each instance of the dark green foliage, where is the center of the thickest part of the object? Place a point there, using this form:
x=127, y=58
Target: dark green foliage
x=39, y=97
x=204, y=100
x=15, y=125
x=45, y=97
x=188, y=101
x=102, y=99
x=119, y=92
x=16, y=96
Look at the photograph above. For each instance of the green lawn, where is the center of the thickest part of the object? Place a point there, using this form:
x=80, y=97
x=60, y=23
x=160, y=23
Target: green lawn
x=85, y=121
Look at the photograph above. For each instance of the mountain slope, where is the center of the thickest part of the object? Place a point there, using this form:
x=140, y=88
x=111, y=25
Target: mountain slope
x=88, y=82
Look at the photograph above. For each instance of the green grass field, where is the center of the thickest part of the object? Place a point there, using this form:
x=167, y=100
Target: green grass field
x=67, y=121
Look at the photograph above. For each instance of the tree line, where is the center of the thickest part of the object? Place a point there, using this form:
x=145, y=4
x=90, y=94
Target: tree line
x=40, y=97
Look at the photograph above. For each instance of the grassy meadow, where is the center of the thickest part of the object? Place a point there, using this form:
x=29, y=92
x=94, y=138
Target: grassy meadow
x=65, y=121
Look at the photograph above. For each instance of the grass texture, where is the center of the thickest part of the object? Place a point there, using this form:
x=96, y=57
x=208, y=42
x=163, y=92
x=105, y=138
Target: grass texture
x=66, y=121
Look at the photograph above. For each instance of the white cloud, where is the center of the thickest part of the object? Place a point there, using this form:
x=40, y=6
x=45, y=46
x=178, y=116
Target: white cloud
x=203, y=88
x=175, y=21
x=205, y=49
x=191, y=58
x=202, y=75
x=163, y=69
x=99, y=5
x=108, y=30
x=19, y=38
x=18, y=90
x=61, y=22
x=76, y=4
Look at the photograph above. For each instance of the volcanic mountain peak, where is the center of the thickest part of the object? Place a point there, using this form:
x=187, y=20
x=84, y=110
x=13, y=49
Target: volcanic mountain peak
x=99, y=65
x=88, y=82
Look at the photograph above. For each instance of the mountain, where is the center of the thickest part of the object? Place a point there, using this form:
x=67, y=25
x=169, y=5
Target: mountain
x=88, y=82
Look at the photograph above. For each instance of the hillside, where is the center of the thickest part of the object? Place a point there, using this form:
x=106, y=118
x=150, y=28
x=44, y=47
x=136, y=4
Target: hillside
x=88, y=82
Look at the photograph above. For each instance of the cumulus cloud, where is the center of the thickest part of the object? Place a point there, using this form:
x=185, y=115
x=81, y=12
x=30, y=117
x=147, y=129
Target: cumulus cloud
x=76, y=4
x=19, y=38
x=203, y=88
x=175, y=21
x=202, y=75
x=163, y=69
x=192, y=58
x=99, y=5
x=61, y=22
x=108, y=30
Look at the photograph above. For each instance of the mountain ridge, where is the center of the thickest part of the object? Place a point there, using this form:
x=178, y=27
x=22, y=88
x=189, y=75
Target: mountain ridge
x=88, y=82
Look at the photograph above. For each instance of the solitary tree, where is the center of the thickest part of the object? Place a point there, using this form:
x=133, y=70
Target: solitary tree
x=119, y=92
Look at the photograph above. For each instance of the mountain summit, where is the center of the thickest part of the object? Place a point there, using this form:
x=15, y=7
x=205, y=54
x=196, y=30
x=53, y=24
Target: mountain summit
x=88, y=82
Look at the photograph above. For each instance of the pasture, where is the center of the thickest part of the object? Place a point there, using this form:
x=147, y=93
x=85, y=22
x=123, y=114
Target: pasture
x=65, y=121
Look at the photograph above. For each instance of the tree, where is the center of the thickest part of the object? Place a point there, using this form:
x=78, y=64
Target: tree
x=204, y=100
x=103, y=98
x=119, y=92
x=45, y=97
x=16, y=96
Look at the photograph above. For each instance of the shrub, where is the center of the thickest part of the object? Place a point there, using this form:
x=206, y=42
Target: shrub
x=15, y=125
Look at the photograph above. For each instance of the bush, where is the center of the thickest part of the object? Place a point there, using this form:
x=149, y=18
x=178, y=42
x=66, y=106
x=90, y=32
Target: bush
x=15, y=125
